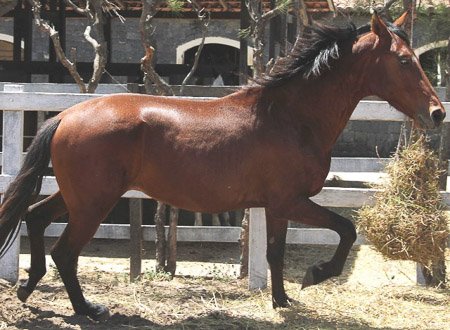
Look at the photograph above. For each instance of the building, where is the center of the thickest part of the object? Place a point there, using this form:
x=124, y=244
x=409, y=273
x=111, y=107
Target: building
x=27, y=55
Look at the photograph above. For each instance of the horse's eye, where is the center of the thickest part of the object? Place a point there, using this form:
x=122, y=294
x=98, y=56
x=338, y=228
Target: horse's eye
x=405, y=60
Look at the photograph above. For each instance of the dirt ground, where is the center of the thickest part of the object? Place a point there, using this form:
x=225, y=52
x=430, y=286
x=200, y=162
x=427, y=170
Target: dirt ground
x=371, y=294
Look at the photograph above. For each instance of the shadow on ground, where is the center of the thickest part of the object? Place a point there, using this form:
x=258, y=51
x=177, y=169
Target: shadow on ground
x=295, y=317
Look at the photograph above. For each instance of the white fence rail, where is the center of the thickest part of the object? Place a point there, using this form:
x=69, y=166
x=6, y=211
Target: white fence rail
x=14, y=101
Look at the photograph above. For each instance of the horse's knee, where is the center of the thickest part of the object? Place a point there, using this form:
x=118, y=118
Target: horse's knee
x=273, y=258
x=275, y=253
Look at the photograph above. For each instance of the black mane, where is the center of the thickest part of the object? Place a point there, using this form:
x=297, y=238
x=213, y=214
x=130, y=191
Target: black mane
x=315, y=51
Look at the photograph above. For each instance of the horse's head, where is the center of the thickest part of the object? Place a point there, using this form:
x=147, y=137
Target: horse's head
x=396, y=74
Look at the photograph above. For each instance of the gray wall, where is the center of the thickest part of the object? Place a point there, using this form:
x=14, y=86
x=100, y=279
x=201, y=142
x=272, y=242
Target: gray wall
x=359, y=138
x=170, y=33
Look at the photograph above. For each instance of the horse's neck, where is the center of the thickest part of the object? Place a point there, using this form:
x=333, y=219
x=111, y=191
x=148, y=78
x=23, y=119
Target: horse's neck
x=324, y=105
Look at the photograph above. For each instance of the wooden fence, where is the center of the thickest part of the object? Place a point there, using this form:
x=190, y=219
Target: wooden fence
x=15, y=99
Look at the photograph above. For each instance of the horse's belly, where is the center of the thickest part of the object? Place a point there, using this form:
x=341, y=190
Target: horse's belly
x=198, y=184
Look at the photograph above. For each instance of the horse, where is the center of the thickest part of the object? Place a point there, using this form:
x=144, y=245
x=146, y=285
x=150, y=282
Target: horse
x=276, y=135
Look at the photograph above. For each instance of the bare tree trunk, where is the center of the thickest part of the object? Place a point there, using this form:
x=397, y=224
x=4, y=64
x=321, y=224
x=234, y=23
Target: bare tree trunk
x=226, y=219
x=408, y=25
x=94, y=12
x=160, y=240
x=447, y=73
x=198, y=219
x=149, y=10
x=258, y=23
x=303, y=18
x=97, y=21
x=165, y=251
x=204, y=19
x=172, y=241
x=244, y=240
x=215, y=219
x=435, y=276
x=46, y=27
x=239, y=215
x=258, y=49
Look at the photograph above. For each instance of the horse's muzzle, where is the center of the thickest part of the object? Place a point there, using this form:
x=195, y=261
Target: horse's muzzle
x=437, y=116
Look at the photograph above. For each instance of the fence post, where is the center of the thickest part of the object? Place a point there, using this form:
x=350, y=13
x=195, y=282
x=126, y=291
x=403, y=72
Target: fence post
x=257, y=263
x=12, y=160
x=135, y=238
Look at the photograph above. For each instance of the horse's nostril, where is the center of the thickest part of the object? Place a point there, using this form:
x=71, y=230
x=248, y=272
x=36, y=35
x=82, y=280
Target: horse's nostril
x=438, y=116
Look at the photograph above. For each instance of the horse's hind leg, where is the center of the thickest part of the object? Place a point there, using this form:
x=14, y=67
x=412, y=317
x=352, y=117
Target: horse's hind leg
x=85, y=217
x=65, y=254
x=39, y=216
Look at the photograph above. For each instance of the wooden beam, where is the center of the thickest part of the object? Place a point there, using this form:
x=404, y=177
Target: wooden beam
x=12, y=158
x=257, y=264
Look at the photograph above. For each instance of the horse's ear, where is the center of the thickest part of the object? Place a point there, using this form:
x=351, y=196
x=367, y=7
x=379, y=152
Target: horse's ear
x=403, y=19
x=380, y=29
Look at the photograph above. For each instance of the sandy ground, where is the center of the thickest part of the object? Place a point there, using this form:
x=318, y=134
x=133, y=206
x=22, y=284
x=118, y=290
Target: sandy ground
x=205, y=294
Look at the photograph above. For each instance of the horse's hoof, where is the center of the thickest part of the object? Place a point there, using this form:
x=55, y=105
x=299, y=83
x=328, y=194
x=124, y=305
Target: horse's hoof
x=281, y=303
x=23, y=293
x=102, y=314
x=96, y=312
x=318, y=273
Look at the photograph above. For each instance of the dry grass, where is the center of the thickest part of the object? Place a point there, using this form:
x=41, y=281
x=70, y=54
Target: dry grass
x=371, y=294
x=408, y=221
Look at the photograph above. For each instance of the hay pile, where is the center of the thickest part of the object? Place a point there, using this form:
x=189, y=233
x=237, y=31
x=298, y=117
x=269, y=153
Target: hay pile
x=407, y=220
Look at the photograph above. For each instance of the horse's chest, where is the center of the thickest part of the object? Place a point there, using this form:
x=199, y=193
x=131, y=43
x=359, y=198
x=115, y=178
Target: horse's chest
x=309, y=173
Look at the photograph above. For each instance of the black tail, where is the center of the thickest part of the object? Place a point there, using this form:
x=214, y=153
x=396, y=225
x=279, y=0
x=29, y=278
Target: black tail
x=26, y=185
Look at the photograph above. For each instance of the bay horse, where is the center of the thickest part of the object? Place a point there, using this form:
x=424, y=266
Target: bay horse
x=276, y=137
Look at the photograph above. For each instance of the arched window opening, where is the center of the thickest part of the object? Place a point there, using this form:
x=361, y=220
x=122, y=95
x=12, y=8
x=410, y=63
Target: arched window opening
x=219, y=63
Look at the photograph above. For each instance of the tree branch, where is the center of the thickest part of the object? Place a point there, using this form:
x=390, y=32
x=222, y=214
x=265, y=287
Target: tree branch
x=46, y=27
x=151, y=76
x=78, y=10
x=149, y=10
x=204, y=19
x=279, y=9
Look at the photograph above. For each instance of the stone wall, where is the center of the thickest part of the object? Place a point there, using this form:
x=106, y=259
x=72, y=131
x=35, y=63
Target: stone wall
x=172, y=32
x=359, y=138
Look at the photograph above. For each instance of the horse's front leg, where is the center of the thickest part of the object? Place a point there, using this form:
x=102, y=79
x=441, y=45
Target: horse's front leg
x=276, y=241
x=307, y=212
